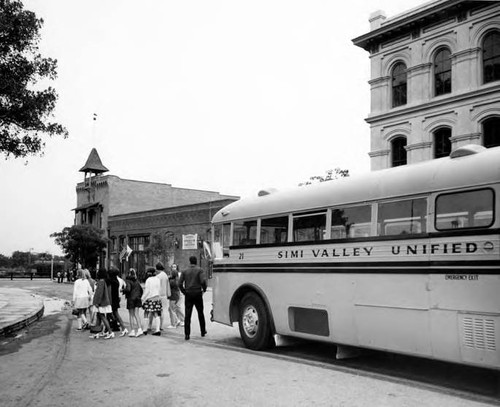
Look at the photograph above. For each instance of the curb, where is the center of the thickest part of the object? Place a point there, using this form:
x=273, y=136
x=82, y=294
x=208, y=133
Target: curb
x=22, y=323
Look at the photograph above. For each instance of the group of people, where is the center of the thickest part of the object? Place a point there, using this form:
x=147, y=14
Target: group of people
x=100, y=300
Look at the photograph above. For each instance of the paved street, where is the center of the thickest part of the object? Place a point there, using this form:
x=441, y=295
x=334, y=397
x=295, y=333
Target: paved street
x=51, y=364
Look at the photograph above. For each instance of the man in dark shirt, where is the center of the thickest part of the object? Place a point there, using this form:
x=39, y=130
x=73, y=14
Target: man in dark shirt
x=193, y=284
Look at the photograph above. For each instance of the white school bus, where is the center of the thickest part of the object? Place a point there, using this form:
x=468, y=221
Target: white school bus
x=405, y=260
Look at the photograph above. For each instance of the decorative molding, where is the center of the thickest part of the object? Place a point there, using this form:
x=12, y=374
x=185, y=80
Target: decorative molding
x=418, y=146
x=440, y=24
x=379, y=153
x=394, y=41
x=466, y=137
x=483, y=91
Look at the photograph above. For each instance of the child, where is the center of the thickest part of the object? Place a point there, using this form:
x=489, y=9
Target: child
x=151, y=302
x=133, y=294
x=82, y=292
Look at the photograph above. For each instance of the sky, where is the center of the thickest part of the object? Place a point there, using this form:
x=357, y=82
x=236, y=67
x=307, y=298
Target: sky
x=228, y=96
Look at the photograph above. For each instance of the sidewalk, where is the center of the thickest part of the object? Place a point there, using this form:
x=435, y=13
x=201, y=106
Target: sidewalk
x=18, y=309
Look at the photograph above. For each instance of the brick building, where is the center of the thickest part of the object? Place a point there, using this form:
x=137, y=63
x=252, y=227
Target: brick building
x=435, y=80
x=170, y=226
x=132, y=211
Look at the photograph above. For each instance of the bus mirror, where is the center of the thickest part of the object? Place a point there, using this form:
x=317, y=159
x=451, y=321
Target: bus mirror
x=206, y=251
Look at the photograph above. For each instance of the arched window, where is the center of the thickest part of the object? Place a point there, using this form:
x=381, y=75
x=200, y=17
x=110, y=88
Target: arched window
x=398, y=151
x=491, y=132
x=442, y=142
x=491, y=57
x=442, y=72
x=399, y=85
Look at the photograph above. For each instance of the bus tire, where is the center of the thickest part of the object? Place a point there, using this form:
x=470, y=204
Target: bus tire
x=254, y=323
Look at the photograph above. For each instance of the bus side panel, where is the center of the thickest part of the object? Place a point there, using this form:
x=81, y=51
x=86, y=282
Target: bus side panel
x=221, y=297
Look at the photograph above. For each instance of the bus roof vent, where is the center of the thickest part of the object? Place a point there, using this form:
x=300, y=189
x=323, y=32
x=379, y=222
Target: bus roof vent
x=268, y=191
x=469, y=149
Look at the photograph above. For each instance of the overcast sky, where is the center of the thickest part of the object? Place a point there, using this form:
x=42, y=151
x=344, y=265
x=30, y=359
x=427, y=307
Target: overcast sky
x=227, y=96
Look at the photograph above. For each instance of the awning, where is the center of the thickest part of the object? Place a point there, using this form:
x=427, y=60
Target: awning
x=86, y=206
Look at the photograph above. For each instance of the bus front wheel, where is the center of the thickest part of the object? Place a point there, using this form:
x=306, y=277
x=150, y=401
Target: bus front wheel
x=254, y=323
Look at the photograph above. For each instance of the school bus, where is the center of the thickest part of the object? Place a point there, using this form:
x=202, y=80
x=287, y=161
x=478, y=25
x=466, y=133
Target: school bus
x=405, y=260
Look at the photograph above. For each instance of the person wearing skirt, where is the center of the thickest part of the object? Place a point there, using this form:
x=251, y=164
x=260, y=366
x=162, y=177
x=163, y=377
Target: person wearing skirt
x=151, y=303
x=133, y=293
x=82, y=292
x=103, y=304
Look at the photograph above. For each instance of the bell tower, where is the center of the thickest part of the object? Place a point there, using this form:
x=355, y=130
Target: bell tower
x=92, y=169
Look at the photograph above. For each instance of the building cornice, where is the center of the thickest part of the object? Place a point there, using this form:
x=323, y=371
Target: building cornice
x=449, y=101
x=412, y=21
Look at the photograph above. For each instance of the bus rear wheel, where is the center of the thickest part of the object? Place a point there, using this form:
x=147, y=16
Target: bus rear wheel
x=254, y=323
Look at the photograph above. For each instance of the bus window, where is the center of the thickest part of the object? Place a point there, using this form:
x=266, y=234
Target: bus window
x=406, y=217
x=351, y=222
x=226, y=238
x=245, y=233
x=309, y=227
x=274, y=230
x=471, y=209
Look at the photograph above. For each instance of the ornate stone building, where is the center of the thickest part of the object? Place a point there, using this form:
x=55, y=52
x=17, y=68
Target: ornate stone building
x=131, y=212
x=435, y=80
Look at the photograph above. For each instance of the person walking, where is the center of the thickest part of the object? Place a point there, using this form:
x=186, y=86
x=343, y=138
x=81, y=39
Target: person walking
x=174, y=309
x=82, y=292
x=133, y=294
x=115, y=284
x=91, y=308
x=164, y=291
x=193, y=284
x=103, y=304
x=151, y=303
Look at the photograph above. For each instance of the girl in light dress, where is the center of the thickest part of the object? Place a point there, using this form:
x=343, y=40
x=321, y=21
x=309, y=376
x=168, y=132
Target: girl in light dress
x=133, y=293
x=82, y=292
x=91, y=309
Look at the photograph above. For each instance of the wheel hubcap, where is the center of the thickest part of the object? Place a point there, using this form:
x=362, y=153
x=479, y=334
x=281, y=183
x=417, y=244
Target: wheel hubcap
x=250, y=321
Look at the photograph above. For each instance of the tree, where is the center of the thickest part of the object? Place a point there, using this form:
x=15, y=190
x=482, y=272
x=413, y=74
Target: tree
x=21, y=259
x=24, y=108
x=5, y=261
x=158, y=246
x=81, y=244
x=330, y=175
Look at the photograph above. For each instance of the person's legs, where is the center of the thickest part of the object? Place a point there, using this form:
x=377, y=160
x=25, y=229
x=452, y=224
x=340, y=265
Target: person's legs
x=201, y=316
x=178, y=311
x=171, y=311
x=156, y=323
x=105, y=321
x=140, y=323
x=131, y=321
x=79, y=320
x=164, y=308
x=188, y=305
x=117, y=316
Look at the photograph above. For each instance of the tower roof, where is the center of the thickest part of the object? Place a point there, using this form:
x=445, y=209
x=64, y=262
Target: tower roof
x=94, y=163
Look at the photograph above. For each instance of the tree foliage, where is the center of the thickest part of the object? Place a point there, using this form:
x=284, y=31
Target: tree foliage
x=329, y=176
x=25, y=109
x=81, y=244
x=158, y=245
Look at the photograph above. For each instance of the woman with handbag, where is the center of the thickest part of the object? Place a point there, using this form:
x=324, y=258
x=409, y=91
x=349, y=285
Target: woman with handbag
x=103, y=304
x=82, y=292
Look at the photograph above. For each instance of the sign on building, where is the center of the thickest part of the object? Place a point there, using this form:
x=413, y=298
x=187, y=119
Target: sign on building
x=190, y=242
